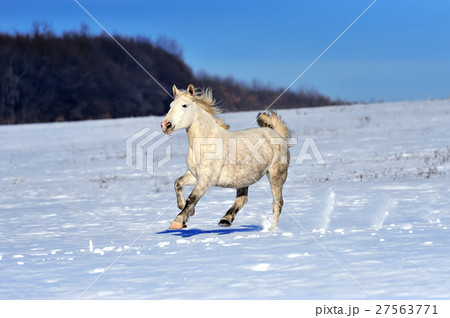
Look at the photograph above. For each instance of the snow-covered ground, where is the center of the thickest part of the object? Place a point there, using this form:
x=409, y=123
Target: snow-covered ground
x=372, y=222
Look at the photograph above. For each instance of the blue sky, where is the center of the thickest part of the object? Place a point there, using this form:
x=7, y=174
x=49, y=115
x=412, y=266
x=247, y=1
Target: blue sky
x=398, y=50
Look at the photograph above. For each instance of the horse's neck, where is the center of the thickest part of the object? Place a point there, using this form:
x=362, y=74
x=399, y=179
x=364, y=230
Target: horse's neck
x=204, y=125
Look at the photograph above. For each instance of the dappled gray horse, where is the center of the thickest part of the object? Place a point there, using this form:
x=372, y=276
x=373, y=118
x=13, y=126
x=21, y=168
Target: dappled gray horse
x=230, y=159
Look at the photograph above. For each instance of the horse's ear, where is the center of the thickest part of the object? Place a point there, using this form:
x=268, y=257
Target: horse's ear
x=175, y=90
x=191, y=89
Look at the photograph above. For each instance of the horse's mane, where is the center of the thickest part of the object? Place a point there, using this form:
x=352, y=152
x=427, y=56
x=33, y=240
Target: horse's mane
x=204, y=98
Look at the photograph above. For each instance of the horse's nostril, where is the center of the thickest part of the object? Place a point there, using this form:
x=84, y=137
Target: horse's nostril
x=169, y=124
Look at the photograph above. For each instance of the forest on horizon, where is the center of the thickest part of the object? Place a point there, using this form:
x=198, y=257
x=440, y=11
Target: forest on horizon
x=79, y=76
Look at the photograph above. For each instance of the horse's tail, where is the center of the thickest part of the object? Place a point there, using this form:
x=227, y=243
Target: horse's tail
x=272, y=120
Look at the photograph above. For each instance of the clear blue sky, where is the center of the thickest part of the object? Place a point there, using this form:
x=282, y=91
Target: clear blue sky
x=398, y=50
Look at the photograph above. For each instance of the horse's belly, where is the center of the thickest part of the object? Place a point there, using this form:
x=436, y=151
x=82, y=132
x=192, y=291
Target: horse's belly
x=239, y=176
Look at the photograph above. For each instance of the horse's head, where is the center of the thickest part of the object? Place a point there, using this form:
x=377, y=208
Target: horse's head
x=181, y=113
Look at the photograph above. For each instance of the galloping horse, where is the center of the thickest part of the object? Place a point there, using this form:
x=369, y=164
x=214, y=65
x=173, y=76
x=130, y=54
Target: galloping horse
x=223, y=158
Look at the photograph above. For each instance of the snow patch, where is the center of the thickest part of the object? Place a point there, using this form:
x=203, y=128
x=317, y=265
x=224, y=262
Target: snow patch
x=330, y=202
x=97, y=271
x=163, y=244
x=406, y=226
x=321, y=231
x=231, y=244
x=99, y=251
x=261, y=267
x=268, y=225
x=383, y=213
x=209, y=240
x=51, y=281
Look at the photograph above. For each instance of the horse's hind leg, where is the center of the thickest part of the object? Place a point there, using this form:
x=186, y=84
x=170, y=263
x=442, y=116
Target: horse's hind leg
x=277, y=176
x=241, y=200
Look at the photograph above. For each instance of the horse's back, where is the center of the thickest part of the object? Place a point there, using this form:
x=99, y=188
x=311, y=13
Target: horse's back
x=255, y=132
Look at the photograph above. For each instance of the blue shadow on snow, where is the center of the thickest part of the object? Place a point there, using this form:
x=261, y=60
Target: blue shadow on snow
x=221, y=231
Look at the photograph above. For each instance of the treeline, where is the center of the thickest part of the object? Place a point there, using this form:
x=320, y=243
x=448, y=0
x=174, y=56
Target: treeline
x=78, y=76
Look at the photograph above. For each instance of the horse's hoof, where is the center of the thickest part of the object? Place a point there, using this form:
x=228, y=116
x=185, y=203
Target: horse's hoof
x=176, y=226
x=224, y=223
x=192, y=212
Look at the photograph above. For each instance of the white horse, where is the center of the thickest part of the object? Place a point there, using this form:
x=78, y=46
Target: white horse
x=230, y=159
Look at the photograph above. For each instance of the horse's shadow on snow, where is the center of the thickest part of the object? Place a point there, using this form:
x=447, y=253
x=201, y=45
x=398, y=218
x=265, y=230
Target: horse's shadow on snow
x=221, y=231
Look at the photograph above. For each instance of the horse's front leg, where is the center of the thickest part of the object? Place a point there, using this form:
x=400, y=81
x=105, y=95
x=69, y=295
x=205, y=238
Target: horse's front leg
x=203, y=184
x=186, y=179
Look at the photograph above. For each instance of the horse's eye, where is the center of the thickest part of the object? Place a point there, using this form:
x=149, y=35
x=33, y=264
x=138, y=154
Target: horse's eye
x=184, y=105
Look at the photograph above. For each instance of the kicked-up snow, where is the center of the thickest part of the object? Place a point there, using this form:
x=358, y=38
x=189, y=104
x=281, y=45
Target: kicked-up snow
x=372, y=222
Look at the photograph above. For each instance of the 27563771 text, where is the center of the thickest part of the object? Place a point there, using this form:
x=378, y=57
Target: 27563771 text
x=379, y=310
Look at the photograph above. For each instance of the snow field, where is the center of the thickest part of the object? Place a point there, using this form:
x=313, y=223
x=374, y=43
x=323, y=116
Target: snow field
x=71, y=210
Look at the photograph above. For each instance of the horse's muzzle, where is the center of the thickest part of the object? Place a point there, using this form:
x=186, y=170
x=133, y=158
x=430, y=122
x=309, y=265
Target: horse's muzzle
x=167, y=127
